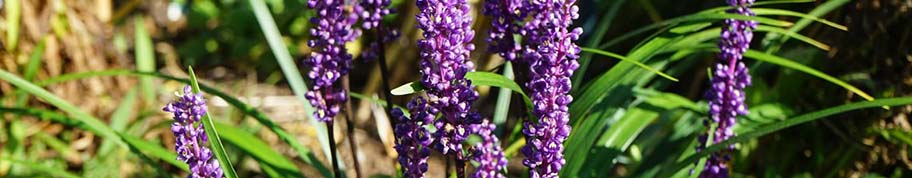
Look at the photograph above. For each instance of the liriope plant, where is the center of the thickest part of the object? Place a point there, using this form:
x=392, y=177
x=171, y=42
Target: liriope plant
x=567, y=129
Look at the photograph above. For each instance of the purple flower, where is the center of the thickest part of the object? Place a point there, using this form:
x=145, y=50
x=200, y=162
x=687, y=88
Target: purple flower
x=726, y=97
x=551, y=53
x=329, y=59
x=445, y=61
x=488, y=154
x=506, y=14
x=190, y=137
x=372, y=12
x=412, y=138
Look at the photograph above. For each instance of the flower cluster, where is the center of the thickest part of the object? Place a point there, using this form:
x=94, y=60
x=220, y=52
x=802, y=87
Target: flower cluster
x=412, y=138
x=329, y=59
x=487, y=153
x=190, y=137
x=726, y=97
x=551, y=54
x=506, y=14
x=445, y=61
x=372, y=12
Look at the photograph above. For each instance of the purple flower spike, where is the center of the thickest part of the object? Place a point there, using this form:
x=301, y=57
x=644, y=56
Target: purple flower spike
x=488, y=154
x=372, y=12
x=190, y=137
x=506, y=14
x=726, y=97
x=412, y=138
x=329, y=59
x=445, y=61
x=551, y=52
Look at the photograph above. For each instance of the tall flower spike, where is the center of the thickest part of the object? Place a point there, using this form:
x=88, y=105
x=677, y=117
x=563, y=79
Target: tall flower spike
x=551, y=53
x=506, y=15
x=372, y=13
x=726, y=97
x=487, y=153
x=445, y=61
x=412, y=138
x=190, y=137
x=329, y=59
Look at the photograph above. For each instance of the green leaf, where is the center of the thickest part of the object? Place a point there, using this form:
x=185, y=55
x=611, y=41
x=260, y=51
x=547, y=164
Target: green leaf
x=13, y=16
x=214, y=140
x=797, y=36
x=761, y=131
x=137, y=145
x=593, y=41
x=705, y=16
x=768, y=11
x=820, y=10
x=408, y=88
x=502, y=107
x=38, y=167
x=119, y=119
x=94, y=124
x=625, y=59
x=290, y=69
x=145, y=58
x=306, y=155
x=478, y=79
x=760, y=56
x=258, y=149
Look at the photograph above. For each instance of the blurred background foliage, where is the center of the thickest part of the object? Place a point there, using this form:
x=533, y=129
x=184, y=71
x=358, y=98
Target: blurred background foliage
x=223, y=41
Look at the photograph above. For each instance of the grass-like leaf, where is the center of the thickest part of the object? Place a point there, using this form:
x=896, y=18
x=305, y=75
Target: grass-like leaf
x=306, y=154
x=502, y=107
x=408, y=88
x=145, y=58
x=214, y=141
x=41, y=168
x=290, y=71
x=258, y=149
x=13, y=16
x=797, y=66
x=625, y=59
x=761, y=131
x=137, y=145
x=478, y=79
x=94, y=124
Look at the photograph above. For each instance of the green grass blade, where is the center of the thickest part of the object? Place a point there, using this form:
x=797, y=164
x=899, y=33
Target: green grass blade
x=761, y=131
x=768, y=11
x=38, y=167
x=120, y=118
x=478, y=79
x=16, y=130
x=214, y=140
x=797, y=36
x=13, y=16
x=93, y=123
x=820, y=10
x=594, y=40
x=408, y=88
x=145, y=58
x=502, y=107
x=697, y=17
x=306, y=154
x=760, y=56
x=258, y=149
x=137, y=145
x=625, y=59
x=290, y=69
